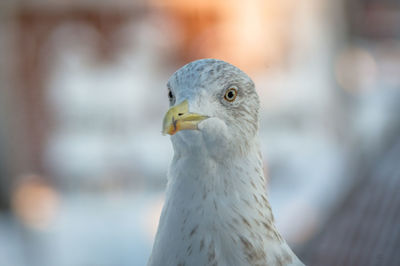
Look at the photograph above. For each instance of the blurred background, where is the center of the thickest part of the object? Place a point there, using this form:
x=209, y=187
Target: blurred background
x=82, y=95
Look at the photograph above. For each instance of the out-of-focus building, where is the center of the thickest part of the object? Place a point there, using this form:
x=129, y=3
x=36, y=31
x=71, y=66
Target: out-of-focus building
x=363, y=228
x=82, y=160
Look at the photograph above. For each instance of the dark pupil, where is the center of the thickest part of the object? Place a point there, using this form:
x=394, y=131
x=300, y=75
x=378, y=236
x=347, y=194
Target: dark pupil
x=231, y=94
x=170, y=95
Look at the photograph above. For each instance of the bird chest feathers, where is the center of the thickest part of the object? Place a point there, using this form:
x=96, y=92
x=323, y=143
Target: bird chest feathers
x=217, y=212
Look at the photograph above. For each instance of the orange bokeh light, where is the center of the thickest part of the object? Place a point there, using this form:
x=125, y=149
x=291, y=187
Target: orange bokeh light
x=35, y=202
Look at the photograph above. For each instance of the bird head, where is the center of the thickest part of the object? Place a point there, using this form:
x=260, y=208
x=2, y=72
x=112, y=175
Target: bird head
x=213, y=103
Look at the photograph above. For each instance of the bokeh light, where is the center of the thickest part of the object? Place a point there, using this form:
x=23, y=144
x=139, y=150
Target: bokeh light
x=34, y=202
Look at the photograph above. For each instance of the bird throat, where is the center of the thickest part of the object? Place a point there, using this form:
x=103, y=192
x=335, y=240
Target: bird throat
x=218, y=202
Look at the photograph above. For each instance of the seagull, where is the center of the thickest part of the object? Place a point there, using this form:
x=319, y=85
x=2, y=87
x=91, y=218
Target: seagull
x=216, y=210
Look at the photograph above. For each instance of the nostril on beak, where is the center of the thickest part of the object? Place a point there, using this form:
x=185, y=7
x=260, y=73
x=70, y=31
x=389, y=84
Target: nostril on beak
x=180, y=114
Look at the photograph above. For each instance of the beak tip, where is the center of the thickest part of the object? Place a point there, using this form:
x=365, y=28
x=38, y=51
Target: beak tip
x=167, y=131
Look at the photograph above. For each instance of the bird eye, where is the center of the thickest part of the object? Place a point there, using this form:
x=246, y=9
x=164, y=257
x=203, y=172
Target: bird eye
x=230, y=94
x=171, y=96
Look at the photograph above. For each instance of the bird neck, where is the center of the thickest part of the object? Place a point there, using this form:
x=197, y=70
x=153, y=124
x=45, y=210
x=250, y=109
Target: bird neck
x=220, y=209
x=230, y=190
x=236, y=181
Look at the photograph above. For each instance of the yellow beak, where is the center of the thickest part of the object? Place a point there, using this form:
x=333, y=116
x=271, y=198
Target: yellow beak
x=178, y=118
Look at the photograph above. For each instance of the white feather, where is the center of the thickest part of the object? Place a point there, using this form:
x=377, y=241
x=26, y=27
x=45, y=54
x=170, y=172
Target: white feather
x=216, y=210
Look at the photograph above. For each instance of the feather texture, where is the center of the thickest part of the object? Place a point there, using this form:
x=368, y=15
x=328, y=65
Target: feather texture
x=216, y=210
